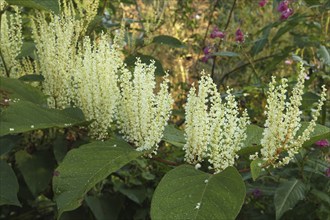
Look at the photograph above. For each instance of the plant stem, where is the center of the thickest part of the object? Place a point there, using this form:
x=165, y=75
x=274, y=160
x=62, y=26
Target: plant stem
x=172, y=163
x=218, y=45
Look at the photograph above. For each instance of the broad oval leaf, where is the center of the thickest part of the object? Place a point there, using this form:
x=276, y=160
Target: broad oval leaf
x=288, y=195
x=168, y=40
x=48, y=5
x=37, y=169
x=187, y=193
x=174, y=136
x=16, y=89
x=32, y=78
x=256, y=168
x=84, y=167
x=9, y=185
x=252, y=142
x=23, y=116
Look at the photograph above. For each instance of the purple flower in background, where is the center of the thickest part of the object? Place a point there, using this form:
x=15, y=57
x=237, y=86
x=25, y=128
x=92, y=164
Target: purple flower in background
x=322, y=143
x=256, y=193
x=288, y=62
x=262, y=3
x=283, y=6
x=287, y=13
x=327, y=172
x=206, y=50
x=239, y=36
x=205, y=58
x=216, y=33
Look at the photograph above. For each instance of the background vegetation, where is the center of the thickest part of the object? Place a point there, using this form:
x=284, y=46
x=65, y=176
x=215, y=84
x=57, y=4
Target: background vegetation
x=177, y=35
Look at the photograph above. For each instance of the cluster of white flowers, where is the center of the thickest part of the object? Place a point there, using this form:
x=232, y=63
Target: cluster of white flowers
x=87, y=9
x=95, y=76
x=56, y=43
x=280, y=140
x=11, y=41
x=213, y=129
x=142, y=114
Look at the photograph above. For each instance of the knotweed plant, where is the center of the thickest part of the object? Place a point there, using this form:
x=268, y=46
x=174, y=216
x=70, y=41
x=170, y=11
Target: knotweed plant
x=142, y=114
x=87, y=9
x=213, y=129
x=281, y=140
x=11, y=41
x=56, y=43
x=98, y=65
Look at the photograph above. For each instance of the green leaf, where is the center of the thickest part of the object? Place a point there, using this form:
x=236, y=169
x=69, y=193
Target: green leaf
x=105, y=207
x=174, y=136
x=37, y=169
x=187, y=193
x=252, y=142
x=256, y=167
x=288, y=195
x=323, y=196
x=316, y=166
x=260, y=43
x=130, y=61
x=16, y=89
x=136, y=194
x=289, y=26
x=84, y=167
x=313, y=2
x=48, y=5
x=8, y=142
x=9, y=185
x=28, y=49
x=22, y=116
x=32, y=78
x=225, y=54
x=60, y=147
x=168, y=40
x=324, y=54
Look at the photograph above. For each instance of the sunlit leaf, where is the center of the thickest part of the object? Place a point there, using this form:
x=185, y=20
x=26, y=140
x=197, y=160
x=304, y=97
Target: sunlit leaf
x=23, y=116
x=187, y=193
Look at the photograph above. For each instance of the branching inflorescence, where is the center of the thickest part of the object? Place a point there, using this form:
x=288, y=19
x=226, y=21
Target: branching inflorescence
x=281, y=139
x=56, y=43
x=142, y=114
x=213, y=129
x=95, y=76
x=11, y=41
